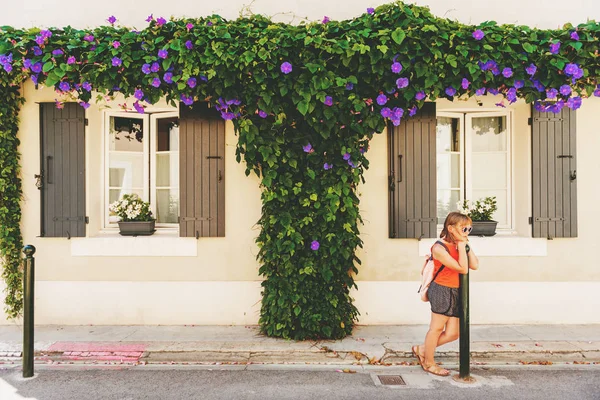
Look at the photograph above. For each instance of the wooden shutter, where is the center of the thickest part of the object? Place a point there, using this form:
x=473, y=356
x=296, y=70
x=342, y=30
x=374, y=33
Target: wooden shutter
x=62, y=139
x=202, y=176
x=554, y=169
x=412, y=176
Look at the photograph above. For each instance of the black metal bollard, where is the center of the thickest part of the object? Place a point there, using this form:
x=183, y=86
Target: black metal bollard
x=465, y=340
x=28, y=321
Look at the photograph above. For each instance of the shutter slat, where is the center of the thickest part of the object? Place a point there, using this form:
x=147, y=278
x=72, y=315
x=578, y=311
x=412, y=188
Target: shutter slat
x=63, y=166
x=413, y=204
x=554, y=194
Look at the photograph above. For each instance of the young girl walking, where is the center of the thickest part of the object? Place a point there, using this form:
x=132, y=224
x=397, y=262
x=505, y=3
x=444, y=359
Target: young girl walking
x=451, y=252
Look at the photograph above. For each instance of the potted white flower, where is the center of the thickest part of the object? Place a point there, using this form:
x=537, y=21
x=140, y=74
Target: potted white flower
x=480, y=212
x=134, y=214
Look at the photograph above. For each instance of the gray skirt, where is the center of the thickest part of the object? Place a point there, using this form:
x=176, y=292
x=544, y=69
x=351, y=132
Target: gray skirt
x=444, y=300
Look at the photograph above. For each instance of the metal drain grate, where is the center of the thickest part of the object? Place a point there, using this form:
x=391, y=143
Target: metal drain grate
x=392, y=380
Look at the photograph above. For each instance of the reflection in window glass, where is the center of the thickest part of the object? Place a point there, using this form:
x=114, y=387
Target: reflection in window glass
x=448, y=136
x=167, y=170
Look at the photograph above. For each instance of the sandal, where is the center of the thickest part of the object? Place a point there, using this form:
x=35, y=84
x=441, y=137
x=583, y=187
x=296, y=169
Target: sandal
x=415, y=351
x=436, y=370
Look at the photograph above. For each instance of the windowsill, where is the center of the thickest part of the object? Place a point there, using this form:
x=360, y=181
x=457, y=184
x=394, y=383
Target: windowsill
x=109, y=243
x=503, y=244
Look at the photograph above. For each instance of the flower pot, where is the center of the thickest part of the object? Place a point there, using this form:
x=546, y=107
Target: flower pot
x=484, y=228
x=136, y=228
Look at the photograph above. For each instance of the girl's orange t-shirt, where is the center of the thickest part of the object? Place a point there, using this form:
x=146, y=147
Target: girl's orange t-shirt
x=448, y=277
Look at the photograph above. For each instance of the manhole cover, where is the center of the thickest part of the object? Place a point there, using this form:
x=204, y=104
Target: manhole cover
x=392, y=380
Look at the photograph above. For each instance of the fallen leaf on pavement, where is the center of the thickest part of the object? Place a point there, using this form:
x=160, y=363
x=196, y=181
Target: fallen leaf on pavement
x=497, y=345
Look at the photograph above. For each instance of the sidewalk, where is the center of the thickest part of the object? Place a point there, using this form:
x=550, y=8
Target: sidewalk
x=380, y=345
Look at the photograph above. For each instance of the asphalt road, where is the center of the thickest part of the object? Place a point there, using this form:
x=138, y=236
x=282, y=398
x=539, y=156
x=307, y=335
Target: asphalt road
x=79, y=383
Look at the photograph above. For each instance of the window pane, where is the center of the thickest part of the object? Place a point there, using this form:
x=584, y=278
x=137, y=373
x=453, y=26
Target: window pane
x=126, y=169
x=489, y=134
x=446, y=203
x=488, y=171
x=167, y=206
x=167, y=134
x=126, y=134
x=448, y=134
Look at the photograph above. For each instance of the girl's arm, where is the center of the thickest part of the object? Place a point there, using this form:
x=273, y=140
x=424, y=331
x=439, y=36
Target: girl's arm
x=440, y=254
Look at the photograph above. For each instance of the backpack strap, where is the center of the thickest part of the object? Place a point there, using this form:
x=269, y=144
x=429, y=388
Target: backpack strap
x=442, y=267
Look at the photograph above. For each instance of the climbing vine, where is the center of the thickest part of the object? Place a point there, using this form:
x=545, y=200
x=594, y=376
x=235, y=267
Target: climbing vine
x=305, y=100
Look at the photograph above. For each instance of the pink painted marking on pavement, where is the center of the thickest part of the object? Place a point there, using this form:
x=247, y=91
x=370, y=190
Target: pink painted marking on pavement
x=95, y=347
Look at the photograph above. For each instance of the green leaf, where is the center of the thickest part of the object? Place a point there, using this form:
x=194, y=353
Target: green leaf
x=528, y=47
x=398, y=36
x=48, y=66
x=303, y=107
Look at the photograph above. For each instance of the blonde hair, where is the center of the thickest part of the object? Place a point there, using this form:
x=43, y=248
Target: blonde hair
x=453, y=218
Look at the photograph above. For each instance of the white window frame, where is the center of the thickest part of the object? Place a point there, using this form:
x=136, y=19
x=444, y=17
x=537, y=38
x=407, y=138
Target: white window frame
x=153, y=164
x=149, y=145
x=466, y=116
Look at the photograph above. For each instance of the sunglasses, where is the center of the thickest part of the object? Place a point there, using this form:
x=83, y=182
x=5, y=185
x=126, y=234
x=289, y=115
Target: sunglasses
x=467, y=229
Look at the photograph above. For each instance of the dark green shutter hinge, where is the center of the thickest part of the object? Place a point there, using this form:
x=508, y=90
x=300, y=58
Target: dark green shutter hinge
x=86, y=121
x=87, y=220
x=530, y=220
x=530, y=121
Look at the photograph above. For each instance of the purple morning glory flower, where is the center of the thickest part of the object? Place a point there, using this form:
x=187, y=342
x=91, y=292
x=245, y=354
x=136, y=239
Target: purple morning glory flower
x=187, y=100
x=519, y=84
x=574, y=103
x=155, y=67
x=146, y=69
x=507, y=72
x=168, y=77
x=286, y=67
x=189, y=26
x=565, y=90
x=465, y=83
x=596, y=92
x=328, y=101
x=351, y=163
x=370, y=10
x=574, y=71
x=150, y=18
x=262, y=114
x=420, y=96
x=531, y=69
x=57, y=52
x=162, y=53
x=138, y=107
x=209, y=23
x=116, y=62
x=551, y=93
x=39, y=40
x=555, y=48
x=191, y=82
x=45, y=33
x=401, y=83
x=396, y=67
x=325, y=19
x=228, y=116
x=27, y=63
x=349, y=86
x=161, y=21
x=8, y=67
x=116, y=44
x=86, y=86
x=511, y=95
x=492, y=91
x=85, y=105
x=308, y=148
x=155, y=82
x=88, y=38
x=111, y=20
x=397, y=113
x=327, y=166
x=189, y=45
x=37, y=51
x=478, y=34
x=34, y=79
x=64, y=86
x=346, y=156
x=386, y=112
x=37, y=67
x=71, y=60
x=382, y=99
x=574, y=35
x=315, y=245
x=412, y=111
x=538, y=85
x=138, y=94
x=203, y=78
x=450, y=91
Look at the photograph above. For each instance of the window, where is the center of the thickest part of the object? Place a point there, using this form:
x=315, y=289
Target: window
x=142, y=157
x=473, y=161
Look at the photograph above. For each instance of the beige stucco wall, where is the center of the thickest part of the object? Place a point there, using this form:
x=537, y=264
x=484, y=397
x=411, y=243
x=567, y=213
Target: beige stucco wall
x=539, y=13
